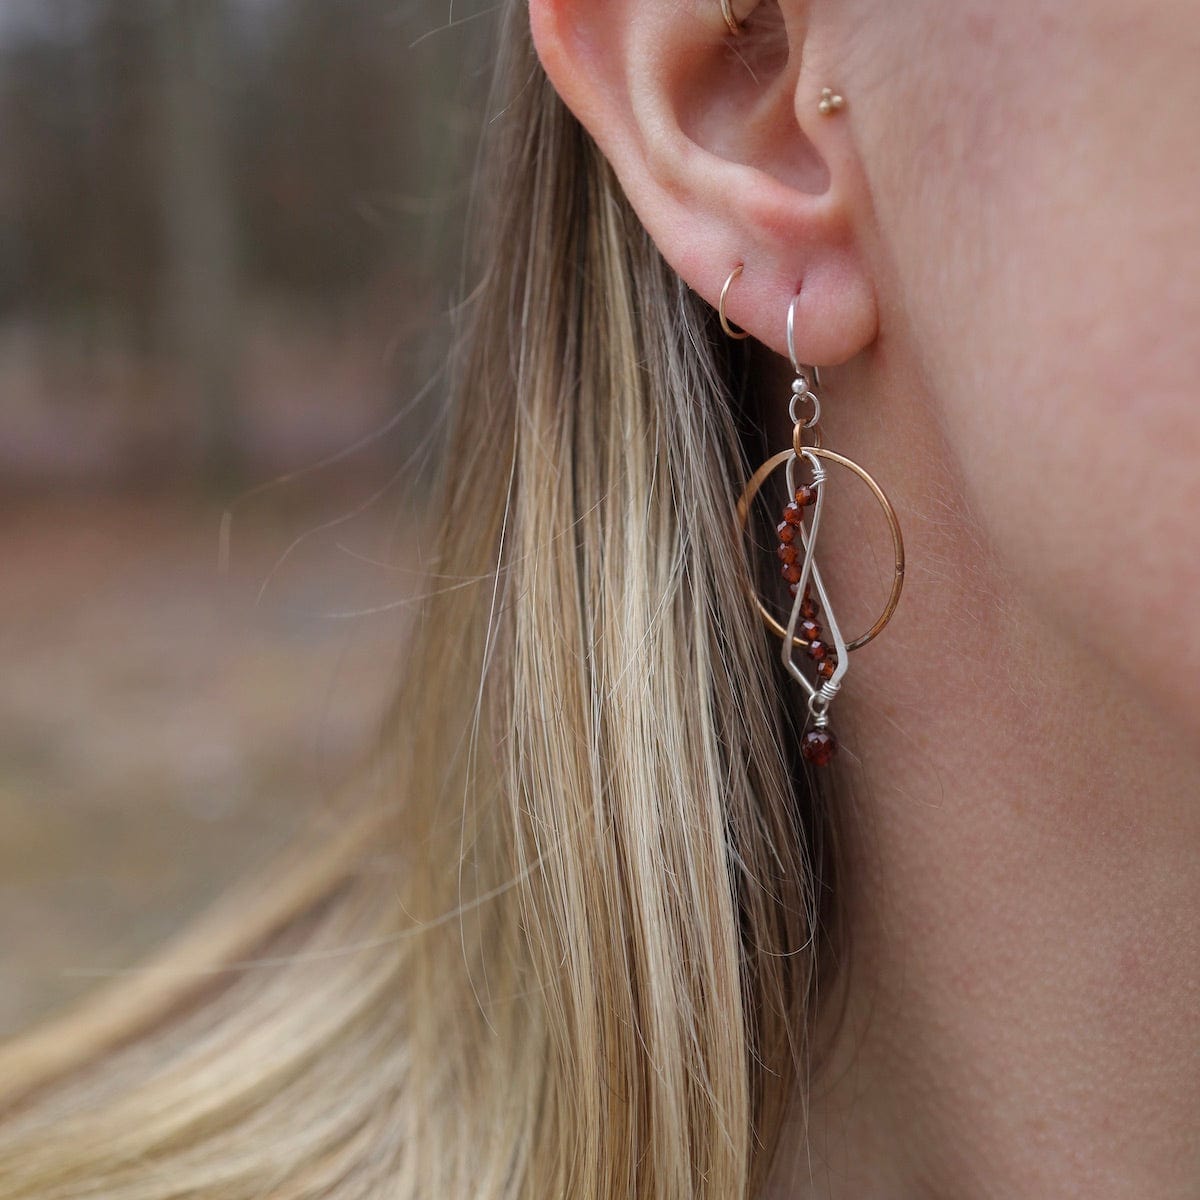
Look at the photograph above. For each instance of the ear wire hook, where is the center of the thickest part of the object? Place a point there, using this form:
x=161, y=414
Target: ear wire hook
x=797, y=366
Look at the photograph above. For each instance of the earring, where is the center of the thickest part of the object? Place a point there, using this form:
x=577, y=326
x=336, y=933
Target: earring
x=830, y=102
x=738, y=335
x=730, y=19
x=811, y=628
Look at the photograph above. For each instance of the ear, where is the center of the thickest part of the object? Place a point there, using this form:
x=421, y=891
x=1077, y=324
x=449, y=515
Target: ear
x=721, y=148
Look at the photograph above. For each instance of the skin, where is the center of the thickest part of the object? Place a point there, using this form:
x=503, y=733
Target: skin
x=998, y=241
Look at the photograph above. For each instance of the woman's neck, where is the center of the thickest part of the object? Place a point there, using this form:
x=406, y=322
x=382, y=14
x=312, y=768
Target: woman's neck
x=1022, y=987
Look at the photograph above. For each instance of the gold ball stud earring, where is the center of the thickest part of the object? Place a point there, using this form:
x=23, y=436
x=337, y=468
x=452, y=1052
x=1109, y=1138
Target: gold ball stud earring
x=830, y=102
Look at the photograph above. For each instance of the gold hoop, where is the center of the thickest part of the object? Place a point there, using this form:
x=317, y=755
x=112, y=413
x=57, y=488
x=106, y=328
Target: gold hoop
x=754, y=486
x=737, y=334
x=730, y=19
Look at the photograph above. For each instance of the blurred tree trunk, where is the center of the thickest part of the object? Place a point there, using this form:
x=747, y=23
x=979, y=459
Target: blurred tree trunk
x=200, y=222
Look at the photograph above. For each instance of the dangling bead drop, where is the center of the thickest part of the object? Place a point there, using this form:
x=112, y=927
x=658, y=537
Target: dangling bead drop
x=819, y=747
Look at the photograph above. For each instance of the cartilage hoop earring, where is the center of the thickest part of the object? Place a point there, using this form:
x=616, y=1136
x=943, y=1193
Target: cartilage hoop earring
x=811, y=628
x=730, y=19
x=727, y=329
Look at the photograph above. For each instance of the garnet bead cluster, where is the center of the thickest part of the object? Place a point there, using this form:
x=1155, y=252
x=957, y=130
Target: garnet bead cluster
x=819, y=745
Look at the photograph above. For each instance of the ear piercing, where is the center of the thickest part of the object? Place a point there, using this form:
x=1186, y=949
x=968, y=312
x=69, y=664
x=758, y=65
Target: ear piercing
x=730, y=19
x=830, y=102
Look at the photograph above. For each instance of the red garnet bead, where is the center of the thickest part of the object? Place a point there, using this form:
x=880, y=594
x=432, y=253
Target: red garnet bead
x=787, y=554
x=827, y=666
x=819, y=747
x=808, y=608
x=792, y=573
x=787, y=533
x=793, y=515
x=818, y=651
x=806, y=495
x=810, y=631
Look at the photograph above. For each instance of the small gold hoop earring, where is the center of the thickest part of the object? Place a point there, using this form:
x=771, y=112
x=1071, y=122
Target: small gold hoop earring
x=729, y=331
x=730, y=19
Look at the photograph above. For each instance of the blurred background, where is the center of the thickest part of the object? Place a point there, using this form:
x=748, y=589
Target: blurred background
x=229, y=245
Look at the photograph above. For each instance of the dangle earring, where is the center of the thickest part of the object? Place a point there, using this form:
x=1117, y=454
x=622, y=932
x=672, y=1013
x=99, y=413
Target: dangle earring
x=815, y=652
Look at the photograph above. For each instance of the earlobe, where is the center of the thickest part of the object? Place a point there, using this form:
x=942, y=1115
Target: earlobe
x=721, y=158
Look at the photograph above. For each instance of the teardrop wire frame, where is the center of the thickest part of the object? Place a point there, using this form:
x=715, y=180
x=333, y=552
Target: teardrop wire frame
x=809, y=570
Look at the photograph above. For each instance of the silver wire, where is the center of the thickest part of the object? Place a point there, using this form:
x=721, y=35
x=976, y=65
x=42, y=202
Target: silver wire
x=799, y=396
x=820, y=698
x=791, y=335
x=802, y=388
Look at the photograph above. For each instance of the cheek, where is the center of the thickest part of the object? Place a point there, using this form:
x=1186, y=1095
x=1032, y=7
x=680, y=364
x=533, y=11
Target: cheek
x=1045, y=242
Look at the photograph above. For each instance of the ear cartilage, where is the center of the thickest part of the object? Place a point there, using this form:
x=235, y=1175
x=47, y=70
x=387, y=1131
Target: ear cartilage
x=830, y=102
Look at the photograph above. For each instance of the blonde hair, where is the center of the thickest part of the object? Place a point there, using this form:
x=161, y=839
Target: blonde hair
x=564, y=942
